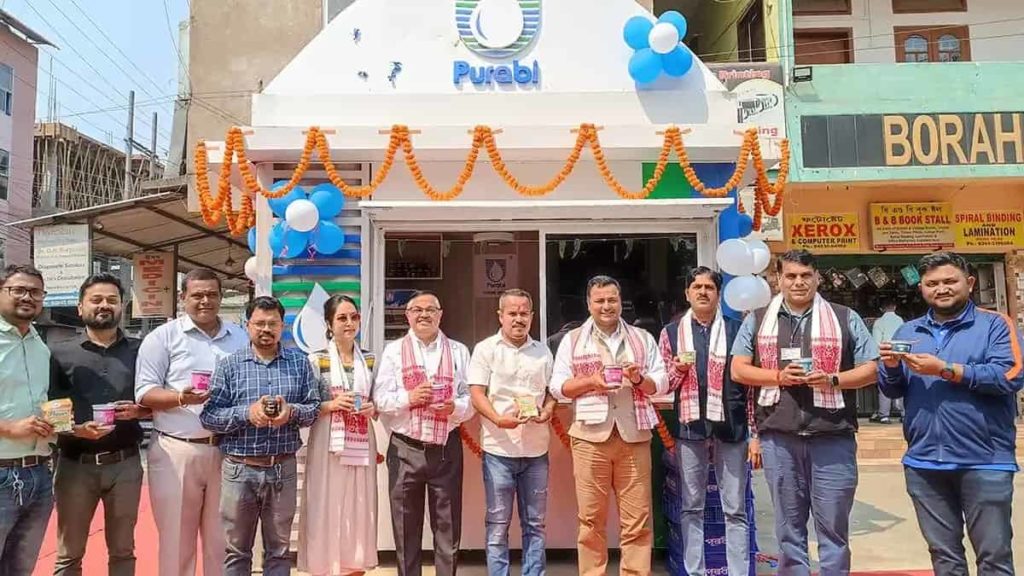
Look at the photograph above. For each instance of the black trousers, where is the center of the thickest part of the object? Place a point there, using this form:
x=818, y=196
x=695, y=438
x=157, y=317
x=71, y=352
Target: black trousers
x=421, y=473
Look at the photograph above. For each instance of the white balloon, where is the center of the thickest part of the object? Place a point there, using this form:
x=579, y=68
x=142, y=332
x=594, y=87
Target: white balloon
x=734, y=257
x=251, y=270
x=764, y=294
x=663, y=38
x=761, y=253
x=302, y=215
x=741, y=293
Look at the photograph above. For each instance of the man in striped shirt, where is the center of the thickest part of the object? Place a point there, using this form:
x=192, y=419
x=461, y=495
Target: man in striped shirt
x=259, y=398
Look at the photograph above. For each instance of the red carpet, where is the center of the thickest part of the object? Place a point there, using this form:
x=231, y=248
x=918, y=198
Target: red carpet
x=146, y=544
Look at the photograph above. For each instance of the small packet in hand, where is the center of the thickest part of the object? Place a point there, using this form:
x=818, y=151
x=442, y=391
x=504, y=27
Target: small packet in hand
x=527, y=407
x=60, y=415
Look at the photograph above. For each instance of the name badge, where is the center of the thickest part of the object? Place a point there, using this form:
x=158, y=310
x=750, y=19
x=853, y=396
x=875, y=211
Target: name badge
x=790, y=354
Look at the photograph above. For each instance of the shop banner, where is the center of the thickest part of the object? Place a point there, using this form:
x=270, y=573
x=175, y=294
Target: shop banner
x=62, y=253
x=824, y=232
x=912, y=226
x=990, y=229
x=153, y=285
x=493, y=274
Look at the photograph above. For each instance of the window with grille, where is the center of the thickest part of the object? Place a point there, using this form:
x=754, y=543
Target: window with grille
x=932, y=44
x=6, y=89
x=5, y=172
x=912, y=6
x=812, y=7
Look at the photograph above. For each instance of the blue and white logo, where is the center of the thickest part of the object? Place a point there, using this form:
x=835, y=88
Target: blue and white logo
x=497, y=28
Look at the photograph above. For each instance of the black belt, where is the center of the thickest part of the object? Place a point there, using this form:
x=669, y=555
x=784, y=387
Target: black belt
x=208, y=441
x=24, y=462
x=419, y=444
x=260, y=461
x=104, y=458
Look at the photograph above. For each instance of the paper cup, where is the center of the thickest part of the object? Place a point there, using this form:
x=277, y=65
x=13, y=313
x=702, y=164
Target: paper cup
x=270, y=407
x=687, y=357
x=103, y=414
x=613, y=375
x=901, y=346
x=807, y=364
x=201, y=381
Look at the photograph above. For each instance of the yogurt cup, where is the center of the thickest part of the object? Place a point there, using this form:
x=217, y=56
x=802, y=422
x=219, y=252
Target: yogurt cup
x=103, y=414
x=613, y=376
x=201, y=381
x=901, y=346
x=687, y=357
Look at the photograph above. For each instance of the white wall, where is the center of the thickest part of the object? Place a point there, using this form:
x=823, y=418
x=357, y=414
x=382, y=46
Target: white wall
x=995, y=28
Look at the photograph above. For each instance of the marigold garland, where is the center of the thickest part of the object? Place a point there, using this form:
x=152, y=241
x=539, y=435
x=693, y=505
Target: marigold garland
x=665, y=435
x=213, y=208
x=559, y=429
x=470, y=442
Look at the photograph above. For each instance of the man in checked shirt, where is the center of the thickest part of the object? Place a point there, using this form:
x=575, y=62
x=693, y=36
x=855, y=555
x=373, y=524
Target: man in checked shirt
x=259, y=398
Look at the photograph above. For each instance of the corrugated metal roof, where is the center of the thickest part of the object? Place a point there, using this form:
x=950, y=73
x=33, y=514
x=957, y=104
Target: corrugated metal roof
x=30, y=34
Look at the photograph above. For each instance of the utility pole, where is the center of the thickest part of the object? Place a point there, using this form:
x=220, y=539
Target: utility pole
x=131, y=145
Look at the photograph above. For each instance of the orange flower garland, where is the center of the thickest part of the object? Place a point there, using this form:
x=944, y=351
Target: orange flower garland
x=664, y=434
x=213, y=208
x=470, y=442
x=559, y=429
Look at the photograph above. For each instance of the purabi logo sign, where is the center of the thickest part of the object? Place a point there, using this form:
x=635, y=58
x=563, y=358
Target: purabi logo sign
x=497, y=29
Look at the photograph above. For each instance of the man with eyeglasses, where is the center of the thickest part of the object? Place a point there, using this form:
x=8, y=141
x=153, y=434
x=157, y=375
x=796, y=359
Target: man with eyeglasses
x=99, y=460
x=175, y=365
x=26, y=493
x=423, y=397
x=259, y=398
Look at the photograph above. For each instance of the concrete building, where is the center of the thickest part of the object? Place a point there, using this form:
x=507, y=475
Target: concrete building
x=906, y=112
x=19, y=60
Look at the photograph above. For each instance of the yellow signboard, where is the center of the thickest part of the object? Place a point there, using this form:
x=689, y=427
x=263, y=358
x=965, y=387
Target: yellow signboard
x=824, y=232
x=990, y=229
x=912, y=226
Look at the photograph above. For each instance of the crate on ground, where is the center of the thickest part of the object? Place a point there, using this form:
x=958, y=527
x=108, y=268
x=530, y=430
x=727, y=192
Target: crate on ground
x=713, y=566
x=670, y=461
x=671, y=484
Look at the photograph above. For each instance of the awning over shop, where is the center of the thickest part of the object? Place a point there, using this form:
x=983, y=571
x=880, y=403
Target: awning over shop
x=554, y=210
x=159, y=221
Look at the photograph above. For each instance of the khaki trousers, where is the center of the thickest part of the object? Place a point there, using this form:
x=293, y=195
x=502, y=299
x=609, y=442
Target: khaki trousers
x=622, y=468
x=184, y=492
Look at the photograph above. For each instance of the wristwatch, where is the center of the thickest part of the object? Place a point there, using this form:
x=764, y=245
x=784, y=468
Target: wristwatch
x=948, y=373
x=637, y=382
x=835, y=381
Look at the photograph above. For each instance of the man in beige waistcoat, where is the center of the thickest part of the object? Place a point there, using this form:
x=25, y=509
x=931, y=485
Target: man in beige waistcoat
x=610, y=370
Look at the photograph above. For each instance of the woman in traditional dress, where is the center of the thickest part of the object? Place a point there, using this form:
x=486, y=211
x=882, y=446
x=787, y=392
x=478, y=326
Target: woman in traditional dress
x=338, y=522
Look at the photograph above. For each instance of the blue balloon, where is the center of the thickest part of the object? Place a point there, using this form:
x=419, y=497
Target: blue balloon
x=252, y=239
x=676, y=19
x=327, y=238
x=636, y=31
x=294, y=243
x=279, y=205
x=645, y=66
x=677, y=62
x=745, y=224
x=328, y=199
x=277, y=238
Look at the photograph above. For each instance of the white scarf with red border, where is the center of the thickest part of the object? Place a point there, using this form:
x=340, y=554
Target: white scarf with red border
x=689, y=393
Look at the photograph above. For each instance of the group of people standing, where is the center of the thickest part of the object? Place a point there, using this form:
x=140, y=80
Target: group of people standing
x=228, y=404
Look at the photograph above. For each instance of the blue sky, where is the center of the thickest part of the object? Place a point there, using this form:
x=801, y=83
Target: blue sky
x=104, y=49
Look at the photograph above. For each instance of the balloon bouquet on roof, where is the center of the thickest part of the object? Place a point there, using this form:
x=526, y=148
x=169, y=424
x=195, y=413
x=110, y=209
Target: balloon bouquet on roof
x=658, y=47
x=305, y=224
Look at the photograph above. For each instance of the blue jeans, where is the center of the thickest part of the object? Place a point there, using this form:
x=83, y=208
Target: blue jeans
x=526, y=481
x=816, y=476
x=731, y=475
x=26, y=501
x=943, y=499
x=251, y=494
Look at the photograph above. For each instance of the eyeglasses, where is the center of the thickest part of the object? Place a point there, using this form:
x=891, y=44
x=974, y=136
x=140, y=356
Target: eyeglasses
x=19, y=292
x=346, y=318
x=265, y=325
x=419, y=311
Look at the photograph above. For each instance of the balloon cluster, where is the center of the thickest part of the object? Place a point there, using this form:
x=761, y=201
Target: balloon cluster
x=657, y=46
x=306, y=221
x=745, y=259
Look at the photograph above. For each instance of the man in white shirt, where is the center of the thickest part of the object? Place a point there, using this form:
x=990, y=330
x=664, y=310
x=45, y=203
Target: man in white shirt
x=508, y=382
x=172, y=378
x=882, y=331
x=422, y=397
x=610, y=370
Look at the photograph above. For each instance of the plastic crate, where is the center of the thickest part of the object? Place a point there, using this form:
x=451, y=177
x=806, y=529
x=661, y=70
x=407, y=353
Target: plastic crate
x=670, y=461
x=671, y=483
x=675, y=565
x=671, y=507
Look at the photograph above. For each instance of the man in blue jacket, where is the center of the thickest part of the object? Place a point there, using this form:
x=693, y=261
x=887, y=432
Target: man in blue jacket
x=959, y=384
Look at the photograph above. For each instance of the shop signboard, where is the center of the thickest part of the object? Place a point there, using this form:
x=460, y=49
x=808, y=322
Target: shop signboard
x=999, y=229
x=153, y=285
x=912, y=226
x=759, y=95
x=494, y=273
x=824, y=232
x=62, y=253
x=511, y=27
x=771, y=226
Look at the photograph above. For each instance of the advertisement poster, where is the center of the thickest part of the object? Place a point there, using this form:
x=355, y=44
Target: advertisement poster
x=824, y=232
x=990, y=229
x=493, y=274
x=62, y=253
x=771, y=226
x=153, y=285
x=923, y=226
